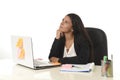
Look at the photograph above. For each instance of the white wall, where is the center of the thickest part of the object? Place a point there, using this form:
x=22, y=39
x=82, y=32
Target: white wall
x=40, y=19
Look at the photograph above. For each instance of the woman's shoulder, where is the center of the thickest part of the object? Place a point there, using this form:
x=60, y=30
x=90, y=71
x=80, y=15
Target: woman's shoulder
x=80, y=39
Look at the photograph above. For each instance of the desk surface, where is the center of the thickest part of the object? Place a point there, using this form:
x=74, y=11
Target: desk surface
x=10, y=71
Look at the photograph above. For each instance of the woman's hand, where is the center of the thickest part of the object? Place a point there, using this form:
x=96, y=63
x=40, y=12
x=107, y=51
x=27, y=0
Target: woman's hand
x=59, y=33
x=54, y=59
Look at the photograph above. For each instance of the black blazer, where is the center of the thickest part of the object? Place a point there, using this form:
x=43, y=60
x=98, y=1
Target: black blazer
x=82, y=50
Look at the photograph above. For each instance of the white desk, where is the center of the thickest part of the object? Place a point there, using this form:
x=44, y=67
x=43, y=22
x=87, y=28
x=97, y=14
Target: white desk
x=10, y=71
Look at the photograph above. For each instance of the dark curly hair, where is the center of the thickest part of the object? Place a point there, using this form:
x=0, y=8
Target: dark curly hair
x=79, y=29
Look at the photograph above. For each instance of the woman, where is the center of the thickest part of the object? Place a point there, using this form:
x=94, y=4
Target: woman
x=72, y=44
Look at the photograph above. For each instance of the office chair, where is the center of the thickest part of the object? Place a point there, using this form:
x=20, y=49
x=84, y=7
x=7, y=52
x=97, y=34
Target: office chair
x=99, y=40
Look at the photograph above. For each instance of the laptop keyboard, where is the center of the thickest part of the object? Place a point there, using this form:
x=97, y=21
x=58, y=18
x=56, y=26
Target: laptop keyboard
x=40, y=62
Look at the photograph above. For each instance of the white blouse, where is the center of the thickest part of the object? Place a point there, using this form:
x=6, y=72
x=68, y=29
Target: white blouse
x=70, y=53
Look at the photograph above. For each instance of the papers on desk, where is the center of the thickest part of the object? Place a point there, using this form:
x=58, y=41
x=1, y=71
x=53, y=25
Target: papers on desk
x=77, y=67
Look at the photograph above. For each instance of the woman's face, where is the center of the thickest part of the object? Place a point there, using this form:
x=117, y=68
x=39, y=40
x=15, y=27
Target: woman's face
x=66, y=25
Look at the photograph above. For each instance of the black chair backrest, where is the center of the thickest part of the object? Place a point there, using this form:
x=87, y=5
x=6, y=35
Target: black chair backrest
x=99, y=40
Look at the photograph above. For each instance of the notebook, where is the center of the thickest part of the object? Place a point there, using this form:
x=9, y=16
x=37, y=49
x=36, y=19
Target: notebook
x=77, y=67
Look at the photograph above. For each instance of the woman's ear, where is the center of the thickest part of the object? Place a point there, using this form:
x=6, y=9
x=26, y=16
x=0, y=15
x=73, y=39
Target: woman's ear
x=72, y=30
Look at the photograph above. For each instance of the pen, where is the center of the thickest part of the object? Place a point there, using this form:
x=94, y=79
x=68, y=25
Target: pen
x=76, y=66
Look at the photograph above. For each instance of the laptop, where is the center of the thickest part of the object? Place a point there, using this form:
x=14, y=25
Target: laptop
x=22, y=49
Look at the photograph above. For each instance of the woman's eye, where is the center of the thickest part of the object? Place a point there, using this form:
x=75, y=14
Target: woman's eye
x=66, y=22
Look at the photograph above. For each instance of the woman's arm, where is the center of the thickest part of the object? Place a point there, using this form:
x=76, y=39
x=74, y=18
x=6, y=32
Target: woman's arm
x=54, y=49
x=58, y=42
x=57, y=48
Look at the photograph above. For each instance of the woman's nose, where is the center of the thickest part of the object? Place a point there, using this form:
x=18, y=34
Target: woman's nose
x=62, y=23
